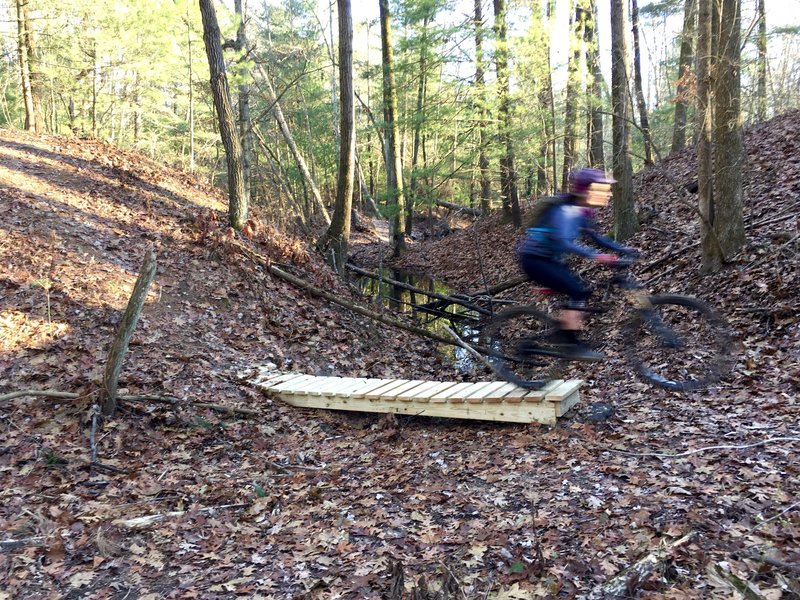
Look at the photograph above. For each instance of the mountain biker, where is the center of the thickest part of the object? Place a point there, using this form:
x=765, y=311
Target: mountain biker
x=554, y=236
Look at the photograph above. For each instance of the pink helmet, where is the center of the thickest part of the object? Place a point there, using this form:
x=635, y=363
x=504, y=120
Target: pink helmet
x=581, y=179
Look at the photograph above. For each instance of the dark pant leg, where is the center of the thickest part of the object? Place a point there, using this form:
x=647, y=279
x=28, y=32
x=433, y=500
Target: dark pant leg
x=556, y=276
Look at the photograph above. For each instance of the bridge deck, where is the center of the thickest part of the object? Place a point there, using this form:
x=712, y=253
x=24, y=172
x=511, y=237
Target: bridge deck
x=486, y=400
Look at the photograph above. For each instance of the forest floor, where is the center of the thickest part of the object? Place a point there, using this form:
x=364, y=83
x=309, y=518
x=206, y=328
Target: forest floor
x=295, y=503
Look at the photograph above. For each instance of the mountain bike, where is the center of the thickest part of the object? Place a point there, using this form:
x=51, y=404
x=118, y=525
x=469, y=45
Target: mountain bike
x=674, y=342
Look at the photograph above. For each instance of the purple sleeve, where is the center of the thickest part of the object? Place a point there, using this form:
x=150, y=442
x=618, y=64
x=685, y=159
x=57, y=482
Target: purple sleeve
x=567, y=227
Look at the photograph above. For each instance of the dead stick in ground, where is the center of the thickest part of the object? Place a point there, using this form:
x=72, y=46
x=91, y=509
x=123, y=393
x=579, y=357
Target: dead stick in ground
x=142, y=522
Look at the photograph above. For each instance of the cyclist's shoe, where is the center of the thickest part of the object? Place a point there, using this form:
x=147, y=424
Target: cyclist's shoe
x=581, y=351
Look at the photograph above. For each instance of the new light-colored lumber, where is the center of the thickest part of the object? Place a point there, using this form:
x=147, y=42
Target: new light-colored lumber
x=486, y=400
x=376, y=394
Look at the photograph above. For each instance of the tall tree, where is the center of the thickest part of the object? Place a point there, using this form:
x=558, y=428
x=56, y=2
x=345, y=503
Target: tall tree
x=27, y=56
x=508, y=174
x=684, y=75
x=419, y=122
x=637, y=81
x=595, y=122
x=237, y=202
x=245, y=126
x=705, y=165
x=761, y=92
x=480, y=101
x=337, y=237
x=394, y=164
x=626, y=221
x=726, y=212
x=574, y=89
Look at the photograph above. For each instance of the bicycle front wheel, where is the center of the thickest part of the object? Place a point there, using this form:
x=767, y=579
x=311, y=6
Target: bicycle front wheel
x=519, y=345
x=678, y=343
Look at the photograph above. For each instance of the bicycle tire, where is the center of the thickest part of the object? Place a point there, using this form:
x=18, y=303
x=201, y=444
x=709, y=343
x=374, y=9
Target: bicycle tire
x=678, y=343
x=503, y=338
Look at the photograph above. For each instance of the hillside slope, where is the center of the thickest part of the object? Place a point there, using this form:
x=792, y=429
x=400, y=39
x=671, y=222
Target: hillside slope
x=293, y=503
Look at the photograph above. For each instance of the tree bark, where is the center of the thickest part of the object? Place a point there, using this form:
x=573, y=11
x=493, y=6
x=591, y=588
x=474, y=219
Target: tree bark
x=394, y=164
x=245, y=126
x=237, y=203
x=24, y=66
x=283, y=126
x=761, y=93
x=480, y=95
x=133, y=311
x=595, y=123
x=625, y=219
x=419, y=120
x=337, y=236
x=728, y=218
x=508, y=174
x=684, y=75
x=637, y=80
x=574, y=87
x=705, y=167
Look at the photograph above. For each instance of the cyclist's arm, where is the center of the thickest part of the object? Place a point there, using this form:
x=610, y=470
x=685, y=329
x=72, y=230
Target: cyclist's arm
x=566, y=228
x=608, y=243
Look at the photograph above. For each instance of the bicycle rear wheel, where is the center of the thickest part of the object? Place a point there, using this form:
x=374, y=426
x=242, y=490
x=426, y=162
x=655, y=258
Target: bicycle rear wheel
x=679, y=343
x=518, y=343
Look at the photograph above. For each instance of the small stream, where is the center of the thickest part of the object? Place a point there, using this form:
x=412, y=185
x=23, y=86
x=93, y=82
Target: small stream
x=429, y=312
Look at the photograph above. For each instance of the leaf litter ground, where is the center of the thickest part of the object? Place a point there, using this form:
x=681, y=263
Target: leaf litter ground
x=312, y=504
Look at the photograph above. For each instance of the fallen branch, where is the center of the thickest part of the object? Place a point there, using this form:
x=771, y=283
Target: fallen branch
x=6, y=545
x=475, y=212
x=472, y=351
x=623, y=584
x=698, y=450
x=147, y=521
x=315, y=291
x=227, y=409
x=411, y=288
x=790, y=567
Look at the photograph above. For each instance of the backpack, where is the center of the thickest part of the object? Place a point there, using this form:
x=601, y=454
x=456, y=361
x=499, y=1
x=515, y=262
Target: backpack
x=541, y=207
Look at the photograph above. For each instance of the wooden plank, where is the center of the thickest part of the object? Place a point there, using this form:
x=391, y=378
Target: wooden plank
x=352, y=384
x=398, y=392
x=464, y=394
x=425, y=395
x=567, y=403
x=296, y=385
x=418, y=391
x=370, y=385
x=332, y=386
x=564, y=390
x=497, y=395
x=282, y=379
x=490, y=388
x=543, y=412
x=445, y=394
x=540, y=394
x=377, y=393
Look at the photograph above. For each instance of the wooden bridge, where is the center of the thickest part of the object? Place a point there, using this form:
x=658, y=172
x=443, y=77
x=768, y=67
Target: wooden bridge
x=486, y=400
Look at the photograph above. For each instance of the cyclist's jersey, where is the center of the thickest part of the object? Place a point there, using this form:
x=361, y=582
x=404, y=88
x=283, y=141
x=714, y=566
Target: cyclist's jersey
x=555, y=235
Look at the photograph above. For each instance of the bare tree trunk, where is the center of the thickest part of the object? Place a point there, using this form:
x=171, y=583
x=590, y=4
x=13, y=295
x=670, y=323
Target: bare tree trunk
x=705, y=166
x=394, y=164
x=637, y=80
x=24, y=66
x=338, y=234
x=237, y=203
x=480, y=94
x=419, y=121
x=508, y=175
x=191, y=91
x=308, y=180
x=625, y=219
x=595, y=122
x=574, y=87
x=245, y=126
x=684, y=75
x=728, y=218
x=119, y=347
x=761, y=94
